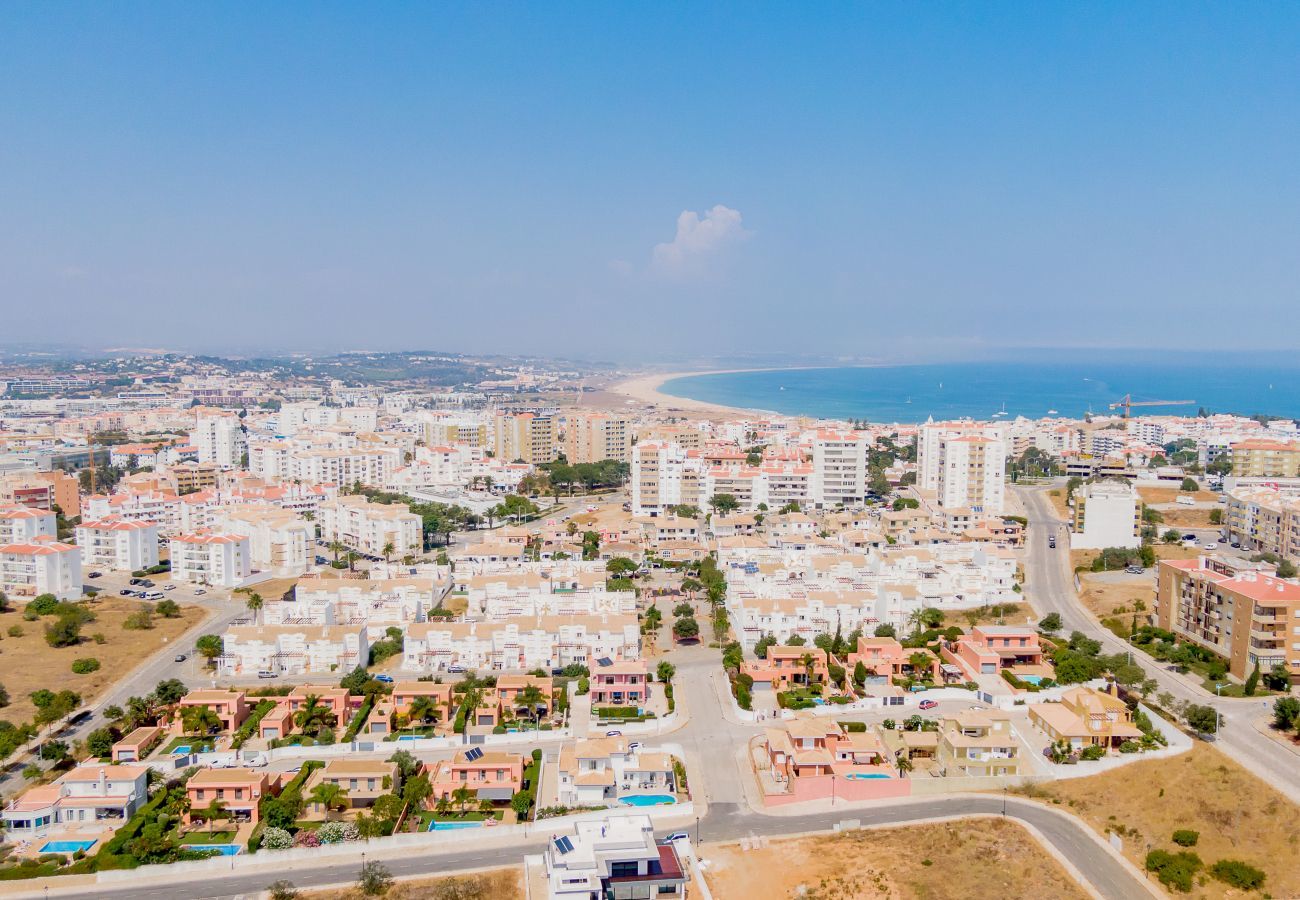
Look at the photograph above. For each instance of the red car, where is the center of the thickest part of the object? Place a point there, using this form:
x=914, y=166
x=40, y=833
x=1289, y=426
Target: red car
x=929, y=704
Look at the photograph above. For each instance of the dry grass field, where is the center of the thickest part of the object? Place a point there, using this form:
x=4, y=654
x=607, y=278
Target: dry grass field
x=1105, y=599
x=28, y=663
x=1170, y=494
x=500, y=884
x=971, y=858
x=1238, y=815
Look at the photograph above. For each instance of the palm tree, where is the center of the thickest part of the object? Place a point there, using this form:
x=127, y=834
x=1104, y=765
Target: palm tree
x=213, y=811
x=462, y=797
x=904, y=764
x=531, y=697
x=485, y=806
x=314, y=717
x=255, y=604
x=336, y=547
x=352, y=560
x=423, y=709
x=388, y=551
x=330, y=796
x=920, y=662
x=199, y=720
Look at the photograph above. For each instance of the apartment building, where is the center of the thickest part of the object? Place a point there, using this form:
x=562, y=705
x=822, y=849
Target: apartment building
x=120, y=544
x=964, y=464
x=40, y=566
x=205, y=557
x=839, y=466
x=617, y=857
x=1261, y=457
x=523, y=436
x=1106, y=514
x=448, y=429
x=219, y=439
x=1266, y=520
x=524, y=643
x=368, y=527
x=20, y=524
x=1239, y=610
x=293, y=649
x=90, y=797
x=378, y=604
x=664, y=475
x=592, y=437
x=279, y=541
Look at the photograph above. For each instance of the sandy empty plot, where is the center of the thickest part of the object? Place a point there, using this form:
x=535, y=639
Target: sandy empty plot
x=970, y=858
x=1238, y=815
x=28, y=663
x=1170, y=494
x=500, y=884
x=1104, y=598
x=1187, y=517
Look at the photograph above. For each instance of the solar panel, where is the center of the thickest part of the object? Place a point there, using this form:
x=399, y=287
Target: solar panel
x=604, y=661
x=564, y=845
x=473, y=754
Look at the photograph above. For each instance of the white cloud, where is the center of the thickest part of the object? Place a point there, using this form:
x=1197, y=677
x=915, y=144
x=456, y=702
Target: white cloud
x=697, y=239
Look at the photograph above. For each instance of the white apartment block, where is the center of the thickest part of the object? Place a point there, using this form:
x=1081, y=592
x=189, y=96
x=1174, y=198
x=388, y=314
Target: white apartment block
x=293, y=649
x=40, y=566
x=280, y=542
x=592, y=437
x=507, y=603
x=839, y=464
x=1106, y=514
x=124, y=545
x=20, y=524
x=523, y=643
x=368, y=527
x=665, y=475
x=964, y=464
x=219, y=438
x=377, y=604
x=160, y=507
x=221, y=560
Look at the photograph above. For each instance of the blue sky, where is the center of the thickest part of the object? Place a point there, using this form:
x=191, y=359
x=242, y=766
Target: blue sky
x=644, y=181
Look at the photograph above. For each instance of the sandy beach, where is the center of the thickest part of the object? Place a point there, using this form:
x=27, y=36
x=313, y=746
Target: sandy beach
x=645, y=389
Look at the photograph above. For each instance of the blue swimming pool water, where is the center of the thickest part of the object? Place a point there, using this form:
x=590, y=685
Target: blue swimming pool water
x=648, y=800
x=223, y=849
x=453, y=826
x=66, y=846
x=408, y=737
x=183, y=750
x=865, y=776
x=1031, y=679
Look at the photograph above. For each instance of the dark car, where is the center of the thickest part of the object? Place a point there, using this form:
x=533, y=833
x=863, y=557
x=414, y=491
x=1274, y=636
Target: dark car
x=136, y=581
x=94, y=574
x=127, y=592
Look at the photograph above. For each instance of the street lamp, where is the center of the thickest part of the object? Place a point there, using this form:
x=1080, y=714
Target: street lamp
x=697, y=832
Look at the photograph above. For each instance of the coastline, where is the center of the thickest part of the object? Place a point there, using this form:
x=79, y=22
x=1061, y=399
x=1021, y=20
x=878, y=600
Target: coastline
x=645, y=389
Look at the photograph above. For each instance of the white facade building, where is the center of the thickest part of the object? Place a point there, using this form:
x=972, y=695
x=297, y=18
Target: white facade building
x=964, y=463
x=528, y=642
x=121, y=544
x=293, y=649
x=280, y=541
x=19, y=524
x=40, y=566
x=368, y=527
x=219, y=439
x=1106, y=514
x=222, y=560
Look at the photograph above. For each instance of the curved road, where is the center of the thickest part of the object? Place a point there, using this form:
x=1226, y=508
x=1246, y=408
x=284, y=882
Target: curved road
x=1050, y=588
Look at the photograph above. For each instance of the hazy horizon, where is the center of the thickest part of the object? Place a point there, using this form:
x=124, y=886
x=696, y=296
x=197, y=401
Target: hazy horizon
x=890, y=182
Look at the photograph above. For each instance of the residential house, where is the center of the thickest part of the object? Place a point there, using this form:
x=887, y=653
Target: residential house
x=488, y=774
x=614, y=858
x=239, y=791
x=1086, y=718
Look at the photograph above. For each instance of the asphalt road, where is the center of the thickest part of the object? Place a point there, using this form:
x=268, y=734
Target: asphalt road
x=1050, y=588
x=725, y=822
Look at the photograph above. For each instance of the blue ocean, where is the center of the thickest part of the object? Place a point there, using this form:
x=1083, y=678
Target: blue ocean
x=913, y=393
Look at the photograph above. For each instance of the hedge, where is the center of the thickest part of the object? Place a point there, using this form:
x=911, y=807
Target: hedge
x=617, y=712
x=359, y=719
x=851, y=727
x=247, y=730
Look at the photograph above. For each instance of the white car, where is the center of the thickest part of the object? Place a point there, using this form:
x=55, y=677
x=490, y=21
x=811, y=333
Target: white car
x=199, y=592
x=169, y=587
x=1211, y=546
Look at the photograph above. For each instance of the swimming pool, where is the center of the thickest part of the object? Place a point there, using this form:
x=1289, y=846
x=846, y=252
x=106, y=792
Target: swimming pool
x=865, y=776
x=182, y=751
x=409, y=737
x=1031, y=679
x=66, y=846
x=648, y=800
x=452, y=826
x=223, y=849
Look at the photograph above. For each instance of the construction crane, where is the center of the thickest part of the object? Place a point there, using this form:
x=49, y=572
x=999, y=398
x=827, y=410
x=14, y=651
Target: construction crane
x=1128, y=403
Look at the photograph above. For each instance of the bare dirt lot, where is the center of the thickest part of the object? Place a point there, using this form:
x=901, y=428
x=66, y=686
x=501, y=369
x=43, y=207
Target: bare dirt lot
x=500, y=884
x=1107, y=598
x=1237, y=815
x=28, y=663
x=1170, y=494
x=971, y=858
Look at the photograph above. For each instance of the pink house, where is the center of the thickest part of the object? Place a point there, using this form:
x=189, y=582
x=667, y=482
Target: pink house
x=785, y=666
x=620, y=682
x=886, y=656
x=989, y=649
x=231, y=707
x=488, y=775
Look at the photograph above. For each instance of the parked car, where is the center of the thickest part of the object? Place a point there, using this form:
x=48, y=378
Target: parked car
x=1236, y=545
x=677, y=836
x=455, y=670
x=136, y=581
x=180, y=657
x=94, y=574
x=1134, y=570
x=386, y=679
x=267, y=674
x=199, y=592
x=615, y=733
x=1211, y=545
x=127, y=592
x=929, y=704
x=169, y=587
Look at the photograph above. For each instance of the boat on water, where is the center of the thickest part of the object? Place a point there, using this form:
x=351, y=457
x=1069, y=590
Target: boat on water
x=1052, y=412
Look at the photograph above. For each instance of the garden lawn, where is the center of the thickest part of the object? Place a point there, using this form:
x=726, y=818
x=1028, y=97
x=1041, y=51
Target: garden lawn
x=28, y=663
x=1238, y=815
x=971, y=858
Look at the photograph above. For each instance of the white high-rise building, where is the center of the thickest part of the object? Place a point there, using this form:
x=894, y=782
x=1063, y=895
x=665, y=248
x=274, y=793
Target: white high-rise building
x=840, y=467
x=1106, y=514
x=223, y=560
x=664, y=475
x=40, y=566
x=123, y=544
x=219, y=439
x=964, y=463
x=19, y=524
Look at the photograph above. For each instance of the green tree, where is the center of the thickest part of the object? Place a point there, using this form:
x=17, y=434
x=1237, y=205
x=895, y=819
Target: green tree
x=686, y=628
x=210, y=646
x=1252, y=681
x=724, y=503
x=1286, y=711
x=374, y=879
x=254, y=604
x=199, y=720
x=330, y=797
x=885, y=631
x=1050, y=623
x=65, y=631
x=1189, y=485
x=1203, y=719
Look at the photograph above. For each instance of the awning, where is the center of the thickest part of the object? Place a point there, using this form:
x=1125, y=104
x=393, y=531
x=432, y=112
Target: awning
x=495, y=793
